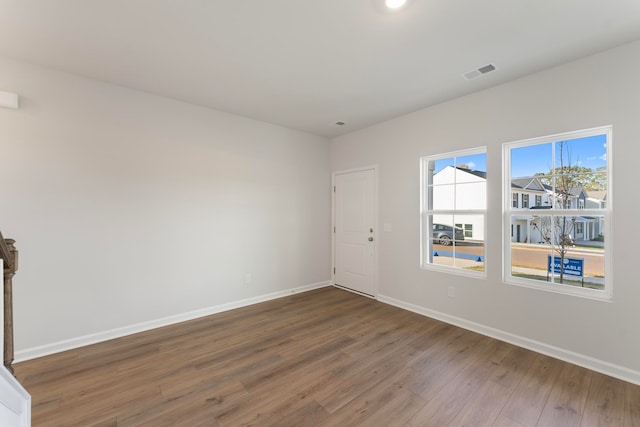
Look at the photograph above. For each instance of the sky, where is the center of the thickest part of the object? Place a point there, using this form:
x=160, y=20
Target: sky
x=590, y=152
x=474, y=161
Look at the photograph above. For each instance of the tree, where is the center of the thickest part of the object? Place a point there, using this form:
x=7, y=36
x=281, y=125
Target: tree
x=580, y=176
x=599, y=180
x=557, y=230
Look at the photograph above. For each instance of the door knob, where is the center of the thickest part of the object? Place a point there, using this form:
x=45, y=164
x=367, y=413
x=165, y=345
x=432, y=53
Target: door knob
x=371, y=239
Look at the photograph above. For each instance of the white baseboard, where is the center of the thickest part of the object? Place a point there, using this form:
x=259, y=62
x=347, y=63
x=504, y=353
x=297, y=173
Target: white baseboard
x=57, y=347
x=362, y=294
x=594, y=364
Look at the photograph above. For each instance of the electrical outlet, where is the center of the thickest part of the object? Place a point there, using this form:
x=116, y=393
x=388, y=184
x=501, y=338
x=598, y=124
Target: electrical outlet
x=451, y=292
x=247, y=278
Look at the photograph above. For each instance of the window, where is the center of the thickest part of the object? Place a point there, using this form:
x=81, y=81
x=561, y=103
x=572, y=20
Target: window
x=453, y=210
x=525, y=201
x=468, y=229
x=514, y=200
x=564, y=244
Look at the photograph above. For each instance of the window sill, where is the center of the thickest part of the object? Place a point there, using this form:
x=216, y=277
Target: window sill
x=594, y=294
x=457, y=271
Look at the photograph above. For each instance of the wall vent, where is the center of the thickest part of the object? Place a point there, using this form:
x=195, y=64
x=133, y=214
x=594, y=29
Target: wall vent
x=479, y=72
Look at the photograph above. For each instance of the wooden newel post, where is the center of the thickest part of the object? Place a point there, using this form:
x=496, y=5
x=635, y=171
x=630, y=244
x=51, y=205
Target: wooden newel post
x=10, y=257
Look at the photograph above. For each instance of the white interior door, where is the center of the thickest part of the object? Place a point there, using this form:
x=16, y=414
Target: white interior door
x=355, y=242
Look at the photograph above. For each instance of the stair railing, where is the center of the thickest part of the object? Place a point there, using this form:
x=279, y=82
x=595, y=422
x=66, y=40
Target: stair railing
x=9, y=255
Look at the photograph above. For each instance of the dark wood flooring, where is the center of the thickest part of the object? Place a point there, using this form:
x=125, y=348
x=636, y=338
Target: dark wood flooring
x=321, y=358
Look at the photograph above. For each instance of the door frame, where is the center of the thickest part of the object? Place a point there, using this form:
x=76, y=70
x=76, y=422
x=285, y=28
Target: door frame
x=377, y=231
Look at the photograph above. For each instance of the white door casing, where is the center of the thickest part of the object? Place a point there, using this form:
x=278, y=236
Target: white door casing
x=355, y=234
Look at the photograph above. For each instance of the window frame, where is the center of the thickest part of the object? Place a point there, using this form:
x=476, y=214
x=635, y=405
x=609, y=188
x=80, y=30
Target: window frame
x=425, y=211
x=605, y=212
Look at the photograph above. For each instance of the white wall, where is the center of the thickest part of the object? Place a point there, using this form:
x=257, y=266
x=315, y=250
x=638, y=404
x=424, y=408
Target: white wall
x=599, y=90
x=128, y=207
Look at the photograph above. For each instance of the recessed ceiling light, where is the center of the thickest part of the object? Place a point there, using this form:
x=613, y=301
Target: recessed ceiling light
x=394, y=4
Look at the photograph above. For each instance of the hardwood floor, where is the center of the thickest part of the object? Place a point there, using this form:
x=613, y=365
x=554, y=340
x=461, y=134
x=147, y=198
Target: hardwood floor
x=321, y=358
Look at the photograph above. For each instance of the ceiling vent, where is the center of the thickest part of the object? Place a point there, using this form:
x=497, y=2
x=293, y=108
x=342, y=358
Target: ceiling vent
x=479, y=72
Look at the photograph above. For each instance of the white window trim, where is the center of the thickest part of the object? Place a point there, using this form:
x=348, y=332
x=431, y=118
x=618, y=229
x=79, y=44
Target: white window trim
x=424, y=211
x=601, y=295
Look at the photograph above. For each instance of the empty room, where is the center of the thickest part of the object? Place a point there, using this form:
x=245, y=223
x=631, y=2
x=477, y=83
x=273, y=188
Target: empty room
x=319, y=213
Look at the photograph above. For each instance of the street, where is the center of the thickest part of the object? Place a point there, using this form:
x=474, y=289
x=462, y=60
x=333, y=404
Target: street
x=535, y=256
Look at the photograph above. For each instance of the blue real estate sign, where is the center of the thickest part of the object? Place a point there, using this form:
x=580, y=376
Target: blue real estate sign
x=572, y=266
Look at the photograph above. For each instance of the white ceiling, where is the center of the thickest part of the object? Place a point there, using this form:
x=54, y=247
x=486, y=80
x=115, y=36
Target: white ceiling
x=307, y=64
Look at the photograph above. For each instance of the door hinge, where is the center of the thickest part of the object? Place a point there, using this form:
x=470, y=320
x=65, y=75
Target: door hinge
x=334, y=188
x=334, y=270
x=334, y=229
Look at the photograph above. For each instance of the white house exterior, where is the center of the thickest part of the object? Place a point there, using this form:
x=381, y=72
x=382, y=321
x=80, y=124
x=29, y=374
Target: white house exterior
x=528, y=195
x=468, y=193
x=597, y=200
x=532, y=197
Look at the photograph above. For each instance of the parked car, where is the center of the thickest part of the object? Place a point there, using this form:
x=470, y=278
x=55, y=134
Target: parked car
x=443, y=234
